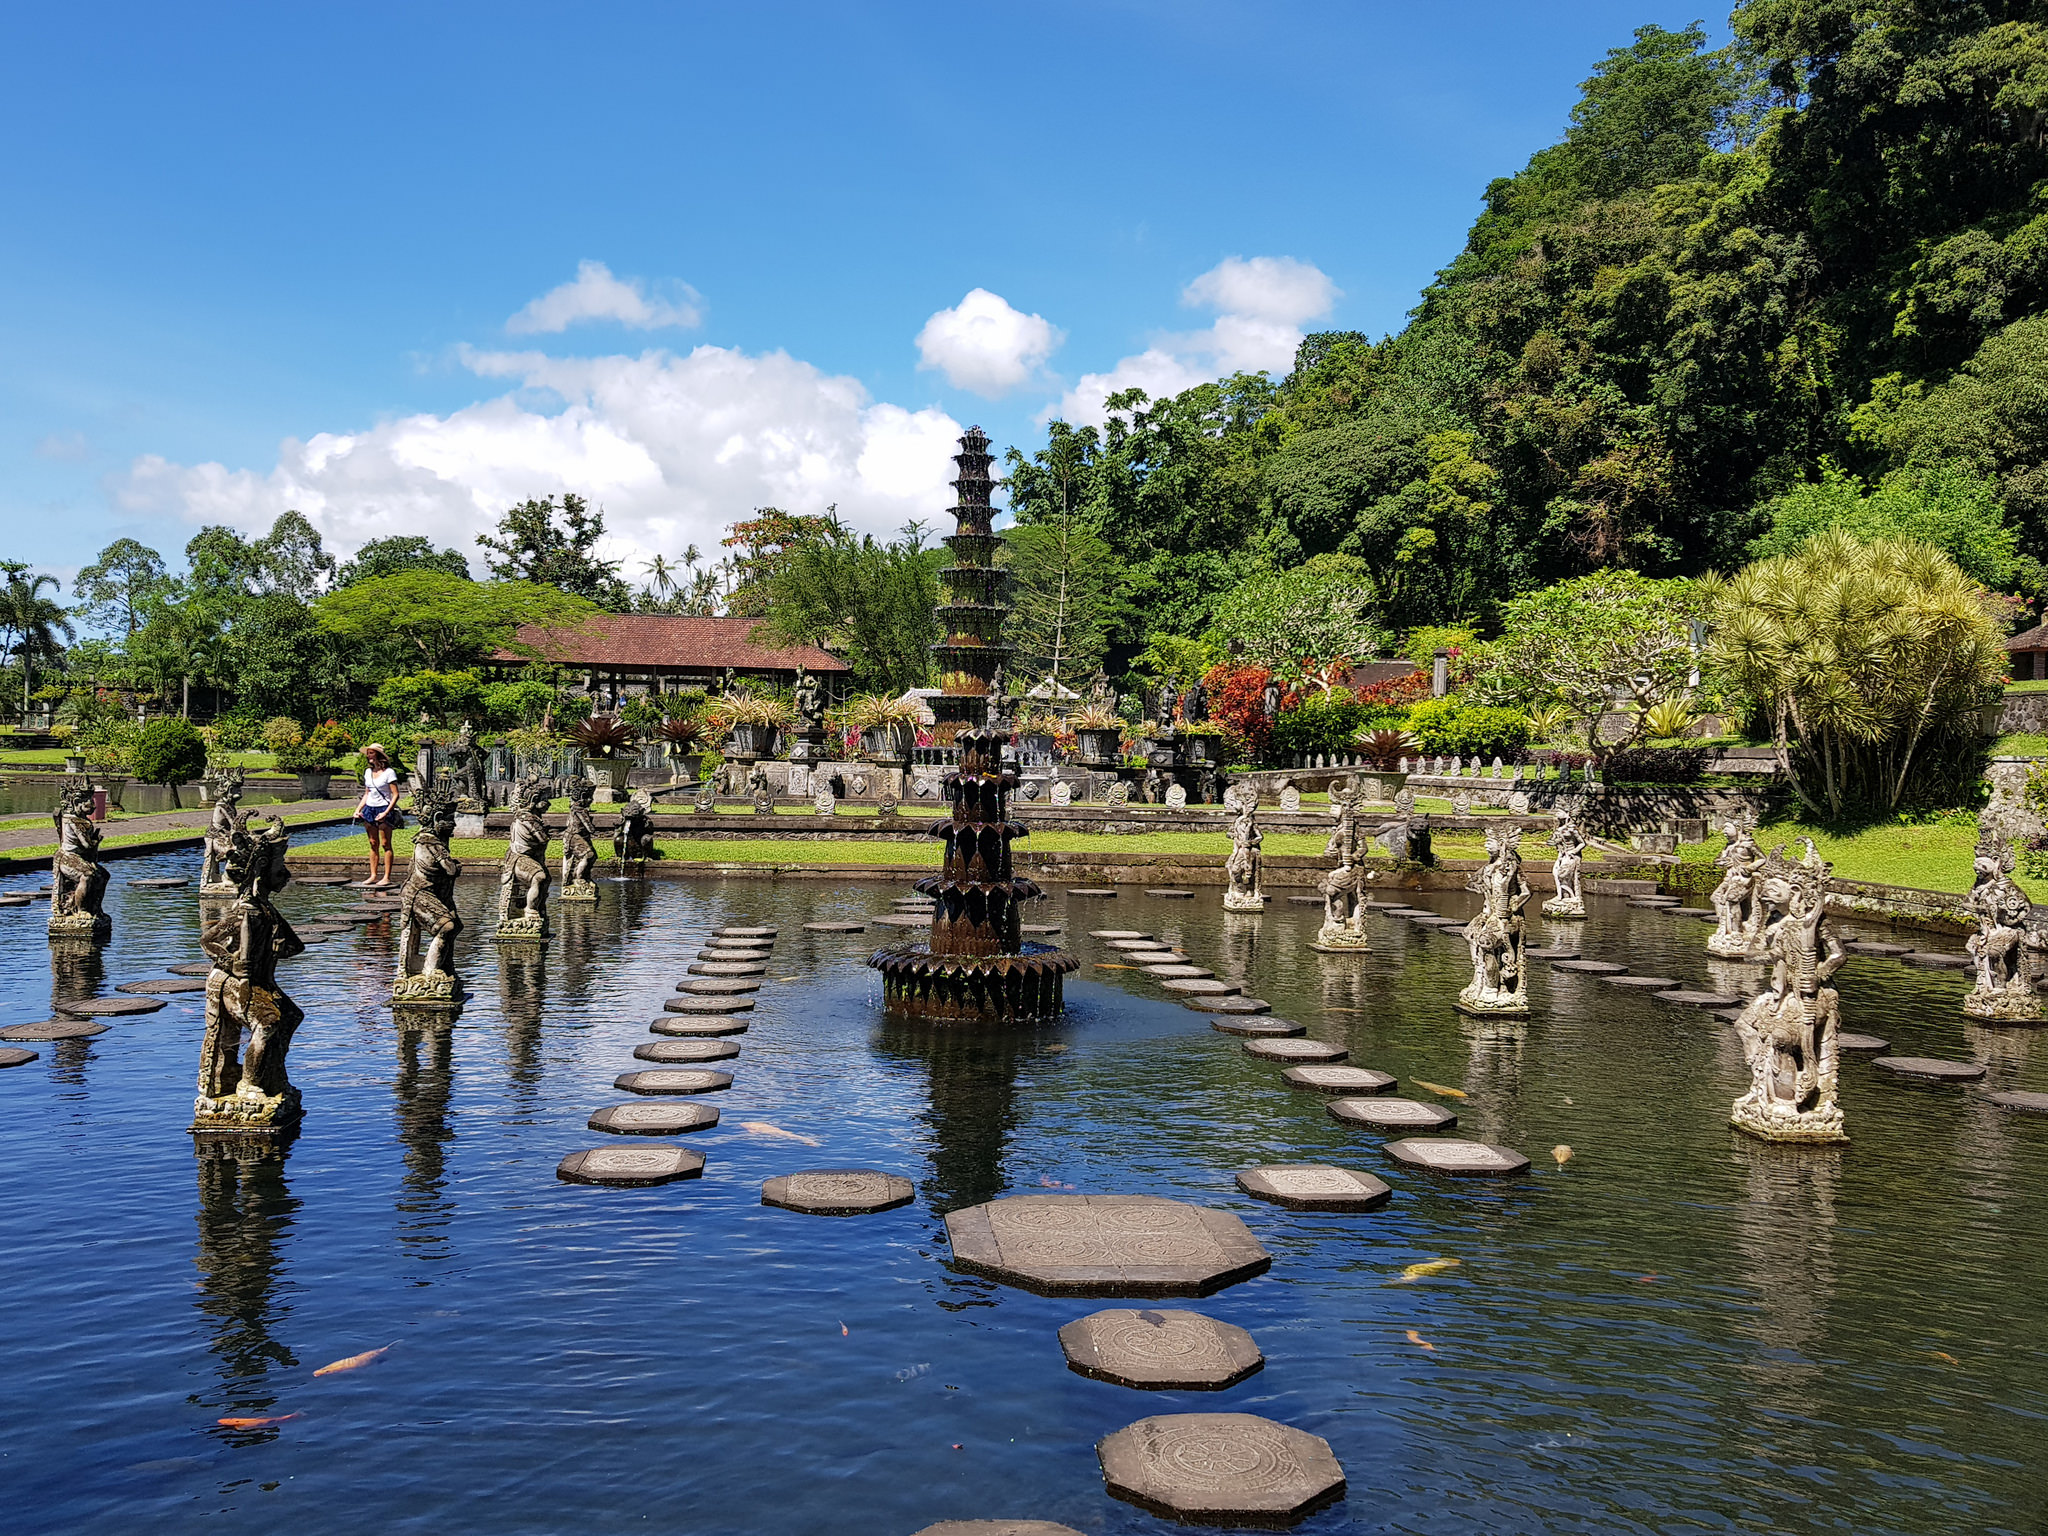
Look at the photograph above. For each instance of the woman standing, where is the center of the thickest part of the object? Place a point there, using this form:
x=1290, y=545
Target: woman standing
x=378, y=812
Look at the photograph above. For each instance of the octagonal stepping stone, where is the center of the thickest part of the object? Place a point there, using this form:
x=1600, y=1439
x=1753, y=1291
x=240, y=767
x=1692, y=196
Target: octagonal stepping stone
x=1305, y=901
x=1315, y=1187
x=630, y=1167
x=1237, y=1005
x=1701, y=912
x=1589, y=967
x=110, y=1007
x=164, y=986
x=835, y=927
x=719, y=986
x=1170, y=895
x=1392, y=1114
x=1097, y=891
x=672, y=1052
x=838, y=1191
x=901, y=920
x=15, y=1056
x=699, y=1029
x=1648, y=983
x=1123, y=940
x=733, y=957
x=1257, y=1028
x=1152, y=956
x=672, y=1080
x=1935, y=960
x=998, y=1528
x=1176, y=968
x=1296, y=1050
x=653, y=1119
x=1867, y=947
x=1326, y=1079
x=726, y=968
x=709, y=1005
x=1117, y=933
x=162, y=883
x=1104, y=1245
x=1687, y=999
x=1400, y=911
x=1220, y=1469
x=733, y=932
x=1659, y=903
x=1551, y=954
x=1160, y=1350
x=17, y=901
x=1463, y=1159
x=54, y=1029
x=1861, y=1043
x=1930, y=1070
x=2021, y=1101
x=1038, y=928
x=1198, y=986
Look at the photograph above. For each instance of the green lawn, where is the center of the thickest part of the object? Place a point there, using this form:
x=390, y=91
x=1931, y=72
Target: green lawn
x=254, y=762
x=134, y=839
x=1935, y=857
x=2021, y=744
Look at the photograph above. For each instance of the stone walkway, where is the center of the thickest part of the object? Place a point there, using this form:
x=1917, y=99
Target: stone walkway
x=189, y=822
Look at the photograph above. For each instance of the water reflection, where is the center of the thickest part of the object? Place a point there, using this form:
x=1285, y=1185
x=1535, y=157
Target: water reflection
x=523, y=1002
x=245, y=1217
x=1785, y=1253
x=77, y=971
x=971, y=1086
x=423, y=1087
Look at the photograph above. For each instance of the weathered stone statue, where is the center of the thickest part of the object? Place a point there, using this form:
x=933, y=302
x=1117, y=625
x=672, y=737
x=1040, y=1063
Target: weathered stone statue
x=763, y=792
x=1169, y=698
x=1738, y=908
x=1788, y=1030
x=246, y=1090
x=579, y=844
x=1241, y=870
x=523, y=882
x=1269, y=699
x=1500, y=976
x=633, y=837
x=1100, y=695
x=1343, y=929
x=78, y=880
x=1570, y=844
x=466, y=768
x=810, y=699
x=2006, y=934
x=427, y=924
x=1196, y=706
x=226, y=787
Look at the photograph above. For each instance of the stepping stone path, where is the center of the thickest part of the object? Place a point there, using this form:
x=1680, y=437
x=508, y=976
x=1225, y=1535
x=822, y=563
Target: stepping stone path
x=1700, y=912
x=901, y=920
x=1651, y=982
x=53, y=1029
x=1199, y=987
x=1315, y=1187
x=630, y=1166
x=1241, y=1005
x=838, y=1192
x=1172, y=895
x=1305, y=901
x=1928, y=1069
x=1861, y=1043
x=1176, y=968
x=1259, y=1029
x=1220, y=1469
x=16, y=901
x=15, y=1056
x=1699, y=999
x=2025, y=1103
x=169, y=986
x=699, y=1028
x=669, y=1080
x=653, y=1119
x=719, y=986
x=671, y=1051
x=1339, y=1079
x=1104, y=1245
x=1295, y=1050
x=709, y=1005
x=1038, y=928
x=1090, y=891
x=998, y=1528
x=746, y=933
x=1866, y=947
x=1117, y=933
x=835, y=927
x=1464, y=1159
x=1136, y=942
x=1935, y=961
x=159, y=885
x=1551, y=954
x=1392, y=1114
x=1590, y=967
x=110, y=1007
x=1160, y=1350
x=726, y=968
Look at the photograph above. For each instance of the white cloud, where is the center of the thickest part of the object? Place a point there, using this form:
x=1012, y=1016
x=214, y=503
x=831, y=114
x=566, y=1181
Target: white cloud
x=66, y=447
x=1263, y=302
x=984, y=345
x=597, y=295
x=673, y=447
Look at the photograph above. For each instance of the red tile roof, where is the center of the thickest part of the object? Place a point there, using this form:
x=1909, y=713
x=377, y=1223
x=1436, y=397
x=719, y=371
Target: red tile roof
x=629, y=641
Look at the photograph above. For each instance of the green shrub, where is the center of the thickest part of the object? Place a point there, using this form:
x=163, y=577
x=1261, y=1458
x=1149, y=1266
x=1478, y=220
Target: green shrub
x=520, y=702
x=281, y=732
x=436, y=695
x=316, y=752
x=169, y=751
x=1324, y=722
x=238, y=730
x=1446, y=727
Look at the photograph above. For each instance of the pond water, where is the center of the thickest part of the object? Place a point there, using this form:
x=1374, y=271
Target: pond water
x=1677, y=1329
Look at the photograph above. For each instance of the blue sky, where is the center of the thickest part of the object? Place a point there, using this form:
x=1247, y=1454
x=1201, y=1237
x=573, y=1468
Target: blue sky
x=398, y=266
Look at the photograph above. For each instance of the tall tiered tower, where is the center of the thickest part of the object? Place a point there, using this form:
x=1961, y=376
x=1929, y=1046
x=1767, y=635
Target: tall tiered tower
x=972, y=610
x=976, y=967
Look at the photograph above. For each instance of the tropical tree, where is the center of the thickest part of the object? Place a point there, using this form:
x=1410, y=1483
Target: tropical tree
x=1869, y=659
x=869, y=601
x=31, y=622
x=1323, y=609
x=401, y=552
x=553, y=542
x=114, y=592
x=448, y=621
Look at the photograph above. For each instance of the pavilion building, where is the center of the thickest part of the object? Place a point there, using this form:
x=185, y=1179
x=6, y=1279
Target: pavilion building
x=617, y=656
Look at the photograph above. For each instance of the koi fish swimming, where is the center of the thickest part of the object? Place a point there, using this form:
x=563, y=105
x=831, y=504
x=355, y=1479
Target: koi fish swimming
x=763, y=1128
x=356, y=1362
x=1562, y=1153
x=1425, y=1270
x=1449, y=1093
x=1419, y=1341
x=280, y=1418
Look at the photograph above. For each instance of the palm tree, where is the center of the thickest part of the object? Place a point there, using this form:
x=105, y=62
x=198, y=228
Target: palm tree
x=31, y=622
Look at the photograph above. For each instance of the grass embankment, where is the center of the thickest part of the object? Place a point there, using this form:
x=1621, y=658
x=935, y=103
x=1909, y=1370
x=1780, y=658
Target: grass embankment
x=52, y=757
x=1930, y=856
x=162, y=835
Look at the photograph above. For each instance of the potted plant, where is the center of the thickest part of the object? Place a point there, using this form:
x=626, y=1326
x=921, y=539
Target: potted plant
x=312, y=758
x=169, y=752
x=1385, y=749
x=606, y=743
x=683, y=741
x=74, y=756
x=1098, y=732
x=753, y=723
x=1204, y=743
x=1035, y=733
x=887, y=727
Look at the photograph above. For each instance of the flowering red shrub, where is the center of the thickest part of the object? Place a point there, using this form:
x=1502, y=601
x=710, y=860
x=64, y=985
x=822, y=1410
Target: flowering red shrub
x=1237, y=702
x=1395, y=692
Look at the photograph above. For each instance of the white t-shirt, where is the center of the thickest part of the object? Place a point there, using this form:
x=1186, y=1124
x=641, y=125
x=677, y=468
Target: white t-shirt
x=377, y=784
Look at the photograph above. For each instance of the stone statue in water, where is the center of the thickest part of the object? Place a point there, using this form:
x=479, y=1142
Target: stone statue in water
x=227, y=798
x=2006, y=935
x=579, y=844
x=245, y=1089
x=633, y=838
x=1570, y=843
x=1500, y=973
x=1241, y=870
x=523, y=881
x=1788, y=1030
x=78, y=880
x=1343, y=927
x=426, y=910
x=1738, y=905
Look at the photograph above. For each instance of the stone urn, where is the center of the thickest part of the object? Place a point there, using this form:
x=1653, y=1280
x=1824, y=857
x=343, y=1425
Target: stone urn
x=886, y=743
x=608, y=772
x=1038, y=745
x=683, y=766
x=312, y=784
x=1203, y=750
x=74, y=762
x=752, y=741
x=1099, y=746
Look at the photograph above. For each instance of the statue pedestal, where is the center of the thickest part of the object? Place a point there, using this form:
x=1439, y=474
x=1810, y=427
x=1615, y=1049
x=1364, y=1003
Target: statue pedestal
x=521, y=930
x=808, y=745
x=1811, y=1128
x=577, y=890
x=1480, y=1006
x=1558, y=907
x=96, y=926
x=241, y=1114
x=437, y=990
x=218, y=890
x=1234, y=901
x=2014, y=1004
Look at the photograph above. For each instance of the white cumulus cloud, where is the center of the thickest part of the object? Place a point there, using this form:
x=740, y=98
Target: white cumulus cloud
x=1262, y=304
x=672, y=446
x=594, y=294
x=984, y=345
